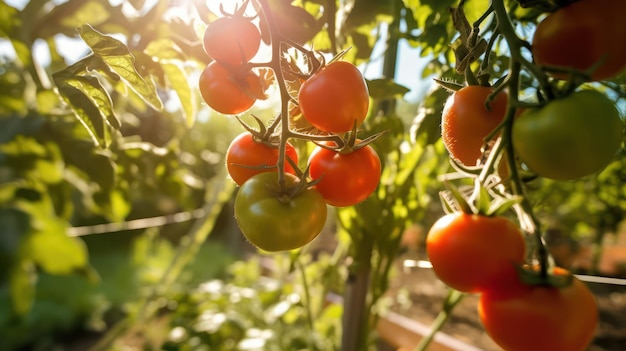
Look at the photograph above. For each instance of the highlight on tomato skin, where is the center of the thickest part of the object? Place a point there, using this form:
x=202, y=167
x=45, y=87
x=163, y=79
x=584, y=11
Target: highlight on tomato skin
x=335, y=98
x=521, y=317
x=466, y=121
x=232, y=40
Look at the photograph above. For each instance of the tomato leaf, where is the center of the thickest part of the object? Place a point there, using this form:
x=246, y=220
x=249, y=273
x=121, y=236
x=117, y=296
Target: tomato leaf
x=385, y=89
x=22, y=278
x=178, y=80
x=116, y=55
x=86, y=111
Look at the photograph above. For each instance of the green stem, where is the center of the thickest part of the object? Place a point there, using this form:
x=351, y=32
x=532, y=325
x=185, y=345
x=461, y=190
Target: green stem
x=452, y=300
x=517, y=186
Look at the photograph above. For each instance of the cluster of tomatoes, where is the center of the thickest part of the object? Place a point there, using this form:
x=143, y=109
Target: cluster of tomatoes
x=572, y=133
x=520, y=309
x=278, y=206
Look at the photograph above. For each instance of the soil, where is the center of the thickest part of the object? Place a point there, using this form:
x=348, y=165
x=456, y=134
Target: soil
x=418, y=294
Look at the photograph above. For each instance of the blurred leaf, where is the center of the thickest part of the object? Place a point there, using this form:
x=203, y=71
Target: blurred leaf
x=75, y=13
x=8, y=19
x=116, y=55
x=14, y=224
x=427, y=123
x=22, y=280
x=52, y=250
x=179, y=81
x=91, y=87
x=164, y=49
x=87, y=113
x=385, y=89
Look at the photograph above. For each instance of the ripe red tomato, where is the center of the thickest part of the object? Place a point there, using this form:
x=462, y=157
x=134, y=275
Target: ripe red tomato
x=470, y=253
x=540, y=317
x=246, y=157
x=335, y=98
x=232, y=40
x=465, y=122
x=570, y=137
x=345, y=178
x=274, y=221
x=226, y=92
x=581, y=34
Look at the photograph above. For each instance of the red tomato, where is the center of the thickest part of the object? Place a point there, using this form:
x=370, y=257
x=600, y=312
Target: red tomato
x=246, y=157
x=232, y=40
x=539, y=317
x=335, y=98
x=345, y=178
x=470, y=253
x=465, y=122
x=225, y=92
x=581, y=34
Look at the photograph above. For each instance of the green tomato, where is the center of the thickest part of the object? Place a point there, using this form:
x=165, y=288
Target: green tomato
x=569, y=138
x=274, y=221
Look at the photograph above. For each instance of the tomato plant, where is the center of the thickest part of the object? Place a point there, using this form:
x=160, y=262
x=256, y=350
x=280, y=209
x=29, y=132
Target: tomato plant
x=582, y=35
x=540, y=317
x=345, y=178
x=227, y=92
x=466, y=121
x=335, y=98
x=275, y=221
x=462, y=250
x=246, y=157
x=570, y=137
x=232, y=40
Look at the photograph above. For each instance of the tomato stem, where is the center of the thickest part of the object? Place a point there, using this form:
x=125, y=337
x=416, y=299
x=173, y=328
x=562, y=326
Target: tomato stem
x=528, y=219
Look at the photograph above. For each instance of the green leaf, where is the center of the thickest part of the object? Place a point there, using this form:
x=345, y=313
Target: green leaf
x=51, y=249
x=119, y=59
x=91, y=87
x=94, y=12
x=8, y=19
x=385, y=89
x=164, y=49
x=87, y=113
x=179, y=81
x=22, y=278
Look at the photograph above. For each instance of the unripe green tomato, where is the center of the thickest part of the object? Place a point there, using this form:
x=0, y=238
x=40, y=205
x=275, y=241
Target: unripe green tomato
x=274, y=221
x=570, y=137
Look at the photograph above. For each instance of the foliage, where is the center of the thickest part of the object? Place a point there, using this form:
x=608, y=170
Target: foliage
x=120, y=134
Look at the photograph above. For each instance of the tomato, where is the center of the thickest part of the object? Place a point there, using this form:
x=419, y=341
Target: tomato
x=345, y=179
x=540, y=317
x=465, y=122
x=570, y=137
x=246, y=157
x=471, y=252
x=225, y=92
x=580, y=35
x=334, y=98
x=274, y=221
x=232, y=40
